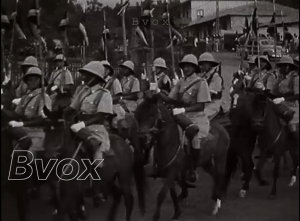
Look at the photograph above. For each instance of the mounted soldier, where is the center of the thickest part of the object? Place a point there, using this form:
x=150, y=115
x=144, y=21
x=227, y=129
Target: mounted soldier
x=163, y=81
x=210, y=68
x=286, y=91
x=114, y=86
x=28, y=117
x=263, y=78
x=130, y=86
x=190, y=94
x=61, y=79
x=91, y=105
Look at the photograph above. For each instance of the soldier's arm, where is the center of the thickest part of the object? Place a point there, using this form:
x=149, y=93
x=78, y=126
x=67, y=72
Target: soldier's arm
x=11, y=114
x=105, y=107
x=295, y=95
x=133, y=96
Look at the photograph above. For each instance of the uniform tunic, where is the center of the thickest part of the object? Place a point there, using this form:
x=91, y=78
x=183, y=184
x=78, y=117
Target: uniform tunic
x=61, y=77
x=21, y=90
x=267, y=79
x=87, y=102
x=215, y=87
x=114, y=86
x=130, y=85
x=196, y=94
x=162, y=80
x=30, y=107
x=284, y=85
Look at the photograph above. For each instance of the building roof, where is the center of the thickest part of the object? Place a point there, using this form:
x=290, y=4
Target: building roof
x=263, y=9
x=291, y=19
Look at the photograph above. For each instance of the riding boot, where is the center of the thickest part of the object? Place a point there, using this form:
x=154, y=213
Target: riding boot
x=195, y=157
x=295, y=139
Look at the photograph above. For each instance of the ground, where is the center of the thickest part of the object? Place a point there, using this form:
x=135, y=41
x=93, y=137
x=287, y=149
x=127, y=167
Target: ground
x=255, y=207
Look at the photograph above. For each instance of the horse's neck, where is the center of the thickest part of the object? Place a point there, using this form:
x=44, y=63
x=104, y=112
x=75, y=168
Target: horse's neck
x=273, y=124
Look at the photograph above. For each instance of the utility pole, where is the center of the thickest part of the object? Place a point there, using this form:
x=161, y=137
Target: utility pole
x=217, y=26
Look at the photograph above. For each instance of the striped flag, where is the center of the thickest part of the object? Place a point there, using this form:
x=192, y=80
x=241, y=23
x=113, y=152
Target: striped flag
x=124, y=7
x=246, y=28
x=18, y=25
x=272, y=30
x=254, y=22
x=82, y=27
x=141, y=34
x=63, y=27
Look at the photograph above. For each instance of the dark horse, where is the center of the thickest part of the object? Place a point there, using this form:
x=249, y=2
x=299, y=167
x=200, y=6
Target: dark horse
x=156, y=121
x=119, y=168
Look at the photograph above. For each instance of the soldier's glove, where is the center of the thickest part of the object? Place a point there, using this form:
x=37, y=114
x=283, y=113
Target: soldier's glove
x=6, y=81
x=15, y=124
x=177, y=111
x=260, y=85
x=54, y=88
x=77, y=127
x=248, y=78
x=16, y=101
x=1, y=91
x=278, y=100
x=154, y=87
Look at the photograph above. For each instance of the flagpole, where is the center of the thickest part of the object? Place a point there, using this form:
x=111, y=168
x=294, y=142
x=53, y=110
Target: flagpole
x=83, y=42
x=283, y=35
x=257, y=36
x=66, y=52
x=275, y=32
x=40, y=50
x=3, y=56
x=151, y=35
x=124, y=35
x=105, y=47
x=12, y=40
x=171, y=39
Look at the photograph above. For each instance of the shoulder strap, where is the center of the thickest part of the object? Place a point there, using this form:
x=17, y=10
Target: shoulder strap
x=191, y=85
x=110, y=84
x=29, y=100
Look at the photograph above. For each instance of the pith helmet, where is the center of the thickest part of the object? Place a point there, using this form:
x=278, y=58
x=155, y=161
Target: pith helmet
x=107, y=64
x=207, y=57
x=129, y=65
x=160, y=63
x=32, y=71
x=95, y=68
x=252, y=59
x=189, y=59
x=265, y=59
x=30, y=61
x=60, y=57
x=286, y=60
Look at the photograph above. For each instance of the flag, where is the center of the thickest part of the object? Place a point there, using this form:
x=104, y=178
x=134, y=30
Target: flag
x=124, y=7
x=82, y=28
x=246, y=28
x=175, y=30
x=175, y=41
x=254, y=22
x=105, y=36
x=5, y=23
x=33, y=21
x=141, y=34
x=63, y=27
x=18, y=25
x=272, y=30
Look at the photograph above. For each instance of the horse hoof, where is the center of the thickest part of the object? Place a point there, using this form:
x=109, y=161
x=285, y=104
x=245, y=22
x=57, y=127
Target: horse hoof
x=293, y=181
x=272, y=197
x=242, y=177
x=242, y=193
x=216, y=207
x=264, y=183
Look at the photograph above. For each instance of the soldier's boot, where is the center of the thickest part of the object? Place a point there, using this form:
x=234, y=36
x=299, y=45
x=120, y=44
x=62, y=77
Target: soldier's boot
x=195, y=152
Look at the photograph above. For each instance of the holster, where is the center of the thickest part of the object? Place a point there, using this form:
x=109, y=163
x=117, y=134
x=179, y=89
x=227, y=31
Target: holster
x=187, y=125
x=284, y=112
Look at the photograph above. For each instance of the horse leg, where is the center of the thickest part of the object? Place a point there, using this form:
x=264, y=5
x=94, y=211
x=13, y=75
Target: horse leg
x=21, y=210
x=272, y=195
x=160, y=199
x=259, y=167
x=248, y=165
x=184, y=190
x=128, y=197
x=295, y=159
x=176, y=205
x=285, y=162
x=81, y=212
x=117, y=195
x=209, y=168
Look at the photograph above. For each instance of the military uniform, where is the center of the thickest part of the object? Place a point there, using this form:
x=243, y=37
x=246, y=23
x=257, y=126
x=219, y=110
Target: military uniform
x=61, y=77
x=21, y=90
x=163, y=81
x=90, y=101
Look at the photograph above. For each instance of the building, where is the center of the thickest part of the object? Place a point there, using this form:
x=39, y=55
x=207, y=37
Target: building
x=233, y=19
x=193, y=10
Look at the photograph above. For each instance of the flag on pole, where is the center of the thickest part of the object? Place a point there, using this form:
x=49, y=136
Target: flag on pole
x=123, y=8
x=105, y=34
x=175, y=30
x=246, y=28
x=33, y=20
x=175, y=41
x=82, y=27
x=18, y=25
x=5, y=23
x=141, y=34
x=63, y=27
x=272, y=30
x=254, y=22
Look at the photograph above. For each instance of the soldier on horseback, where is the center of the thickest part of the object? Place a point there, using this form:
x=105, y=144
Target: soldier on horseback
x=61, y=79
x=91, y=105
x=163, y=80
x=262, y=79
x=215, y=83
x=286, y=91
x=114, y=86
x=190, y=94
x=130, y=86
x=29, y=113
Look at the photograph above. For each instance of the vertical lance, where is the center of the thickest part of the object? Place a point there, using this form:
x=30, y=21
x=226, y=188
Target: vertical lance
x=275, y=32
x=124, y=35
x=66, y=49
x=12, y=40
x=83, y=43
x=105, y=36
x=257, y=36
x=171, y=40
x=3, y=56
x=41, y=50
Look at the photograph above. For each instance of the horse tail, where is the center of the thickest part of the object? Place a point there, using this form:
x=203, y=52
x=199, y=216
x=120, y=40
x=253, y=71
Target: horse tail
x=140, y=181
